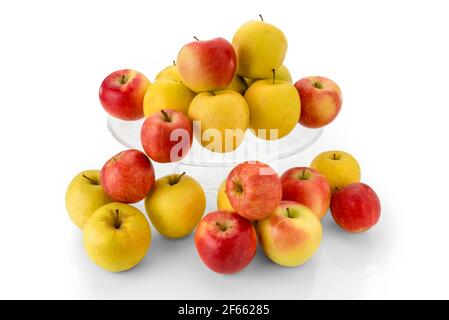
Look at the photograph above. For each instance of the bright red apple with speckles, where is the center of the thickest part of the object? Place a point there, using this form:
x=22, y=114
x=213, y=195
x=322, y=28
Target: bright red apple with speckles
x=225, y=241
x=356, y=208
x=207, y=65
x=121, y=94
x=254, y=189
x=128, y=176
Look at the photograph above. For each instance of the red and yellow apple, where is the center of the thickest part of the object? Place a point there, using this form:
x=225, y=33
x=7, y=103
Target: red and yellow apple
x=207, y=65
x=355, y=208
x=122, y=92
x=225, y=241
x=290, y=235
x=254, y=189
x=321, y=101
x=166, y=136
x=308, y=187
x=128, y=176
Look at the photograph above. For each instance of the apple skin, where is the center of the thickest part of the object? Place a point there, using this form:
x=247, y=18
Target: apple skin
x=207, y=65
x=225, y=241
x=308, y=187
x=121, y=94
x=223, y=202
x=339, y=167
x=254, y=189
x=169, y=73
x=290, y=241
x=117, y=237
x=128, y=176
x=175, y=205
x=166, y=136
x=355, y=208
x=84, y=195
x=321, y=101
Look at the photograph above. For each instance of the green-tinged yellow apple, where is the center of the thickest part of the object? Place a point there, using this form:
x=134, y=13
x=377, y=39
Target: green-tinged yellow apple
x=223, y=202
x=238, y=84
x=169, y=73
x=175, y=205
x=283, y=74
x=290, y=235
x=249, y=81
x=339, y=167
x=117, y=236
x=220, y=119
x=274, y=107
x=167, y=94
x=260, y=47
x=85, y=195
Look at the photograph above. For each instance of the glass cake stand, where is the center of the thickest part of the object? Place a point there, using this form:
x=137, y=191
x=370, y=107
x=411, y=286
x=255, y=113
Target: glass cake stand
x=211, y=168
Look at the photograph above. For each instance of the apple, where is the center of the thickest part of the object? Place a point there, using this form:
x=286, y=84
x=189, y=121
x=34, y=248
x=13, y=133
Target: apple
x=308, y=187
x=225, y=241
x=321, y=101
x=122, y=92
x=175, y=205
x=281, y=74
x=339, y=167
x=355, y=208
x=117, y=237
x=274, y=107
x=128, y=176
x=223, y=202
x=238, y=84
x=166, y=136
x=220, y=119
x=84, y=195
x=207, y=65
x=167, y=94
x=290, y=235
x=169, y=73
x=260, y=47
x=254, y=189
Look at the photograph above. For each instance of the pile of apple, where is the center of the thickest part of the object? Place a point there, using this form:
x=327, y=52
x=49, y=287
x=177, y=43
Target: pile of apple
x=215, y=91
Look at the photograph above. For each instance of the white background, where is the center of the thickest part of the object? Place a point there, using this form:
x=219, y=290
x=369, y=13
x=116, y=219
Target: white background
x=391, y=61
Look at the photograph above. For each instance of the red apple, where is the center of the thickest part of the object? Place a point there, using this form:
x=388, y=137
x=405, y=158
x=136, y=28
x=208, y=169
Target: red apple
x=122, y=92
x=128, y=176
x=166, y=136
x=225, y=241
x=254, y=189
x=207, y=65
x=308, y=187
x=356, y=207
x=320, y=101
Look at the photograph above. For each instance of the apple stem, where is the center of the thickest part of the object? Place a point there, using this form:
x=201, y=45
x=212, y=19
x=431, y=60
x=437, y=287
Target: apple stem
x=194, y=37
x=91, y=180
x=335, y=156
x=166, y=116
x=117, y=219
x=303, y=175
x=174, y=63
x=288, y=213
x=123, y=79
x=274, y=75
x=222, y=227
x=213, y=93
x=261, y=18
x=176, y=179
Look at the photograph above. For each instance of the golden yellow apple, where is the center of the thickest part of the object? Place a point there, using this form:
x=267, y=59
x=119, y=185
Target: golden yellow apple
x=283, y=74
x=259, y=47
x=339, y=167
x=223, y=202
x=175, y=205
x=85, y=195
x=220, y=119
x=169, y=73
x=167, y=94
x=274, y=107
x=238, y=84
x=117, y=236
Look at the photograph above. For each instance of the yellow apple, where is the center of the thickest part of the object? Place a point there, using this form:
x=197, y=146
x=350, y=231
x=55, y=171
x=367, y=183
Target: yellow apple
x=274, y=107
x=223, y=202
x=175, y=205
x=222, y=118
x=169, y=73
x=260, y=47
x=291, y=235
x=85, y=195
x=117, y=236
x=339, y=168
x=249, y=81
x=283, y=74
x=238, y=84
x=167, y=94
